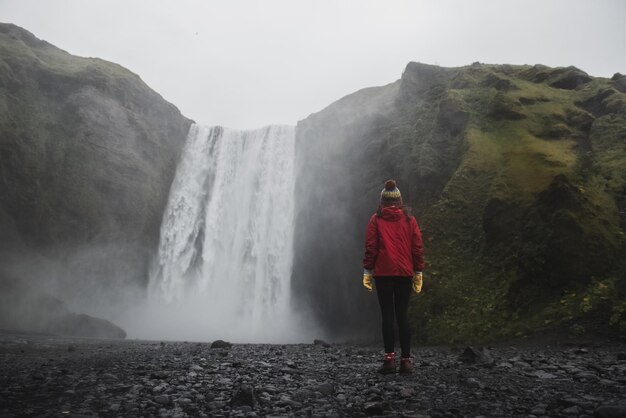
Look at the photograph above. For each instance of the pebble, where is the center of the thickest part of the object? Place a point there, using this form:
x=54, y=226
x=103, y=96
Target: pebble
x=135, y=378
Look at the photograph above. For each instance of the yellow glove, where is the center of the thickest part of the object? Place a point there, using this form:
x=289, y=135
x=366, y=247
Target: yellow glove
x=367, y=279
x=417, y=282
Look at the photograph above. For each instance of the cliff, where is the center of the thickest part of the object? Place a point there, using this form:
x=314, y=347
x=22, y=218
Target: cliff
x=87, y=151
x=87, y=155
x=517, y=176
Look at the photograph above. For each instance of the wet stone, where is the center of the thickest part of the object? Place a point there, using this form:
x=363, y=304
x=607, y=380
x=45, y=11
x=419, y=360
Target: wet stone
x=220, y=344
x=179, y=379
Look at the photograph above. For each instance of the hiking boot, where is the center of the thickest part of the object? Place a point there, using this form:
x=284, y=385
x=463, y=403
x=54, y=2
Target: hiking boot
x=405, y=365
x=389, y=364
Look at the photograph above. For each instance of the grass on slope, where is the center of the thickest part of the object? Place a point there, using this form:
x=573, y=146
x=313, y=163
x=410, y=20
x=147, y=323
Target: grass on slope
x=514, y=149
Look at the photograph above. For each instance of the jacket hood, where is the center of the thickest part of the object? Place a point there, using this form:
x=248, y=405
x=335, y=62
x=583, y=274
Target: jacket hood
x=392, y=213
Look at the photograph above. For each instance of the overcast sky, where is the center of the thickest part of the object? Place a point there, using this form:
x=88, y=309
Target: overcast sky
x=245, y=64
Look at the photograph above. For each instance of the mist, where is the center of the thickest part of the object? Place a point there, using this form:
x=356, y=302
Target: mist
x=219, y=62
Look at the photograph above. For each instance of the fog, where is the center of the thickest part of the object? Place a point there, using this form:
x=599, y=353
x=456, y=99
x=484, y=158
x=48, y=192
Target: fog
x=246, y=64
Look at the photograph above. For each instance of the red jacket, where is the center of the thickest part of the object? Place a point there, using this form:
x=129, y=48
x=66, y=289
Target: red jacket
x=393, y=244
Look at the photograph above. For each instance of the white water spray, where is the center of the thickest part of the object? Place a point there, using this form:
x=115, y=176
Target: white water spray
x=225, y=255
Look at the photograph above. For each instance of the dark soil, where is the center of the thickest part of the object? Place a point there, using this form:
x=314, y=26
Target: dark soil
x=51, y=376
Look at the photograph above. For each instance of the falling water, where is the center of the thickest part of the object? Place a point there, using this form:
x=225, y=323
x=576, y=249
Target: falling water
x=225, y=254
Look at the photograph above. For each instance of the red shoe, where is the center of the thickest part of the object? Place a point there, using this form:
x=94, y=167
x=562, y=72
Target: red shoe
x=405, y=365
x=389, y=364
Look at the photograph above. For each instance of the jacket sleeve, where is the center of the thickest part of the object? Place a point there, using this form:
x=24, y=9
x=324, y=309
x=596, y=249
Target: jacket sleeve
x=371, y=244
x=417, y=250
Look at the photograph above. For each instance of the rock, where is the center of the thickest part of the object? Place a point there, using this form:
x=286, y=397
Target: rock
x=476, y=356
x=160, y=387
x=374, y=408
x=220, y=344
x=572, y=410
x=321, y=342
x=162, y=400
x=621, y=356
x=108, y=377
x=245, y=395
x=539, y=409
x=586, y=376
x=543, y=375
x=475, y=383
x=325, y=389
x=160, y=374
x=71, y=348
x=302, y=395
x=407, y=392
x=608, y=411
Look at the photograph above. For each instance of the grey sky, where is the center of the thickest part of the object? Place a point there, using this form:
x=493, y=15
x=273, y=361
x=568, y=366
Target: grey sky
x=245, y=64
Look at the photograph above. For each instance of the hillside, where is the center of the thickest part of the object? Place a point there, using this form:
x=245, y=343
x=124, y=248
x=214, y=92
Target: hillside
x=517, y=176
x=87, y=155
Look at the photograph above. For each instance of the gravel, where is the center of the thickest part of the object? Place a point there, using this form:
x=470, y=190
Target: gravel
x=40, y=377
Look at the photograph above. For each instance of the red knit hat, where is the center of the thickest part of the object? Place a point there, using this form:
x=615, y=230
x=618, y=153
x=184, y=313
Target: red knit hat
x=390, y=195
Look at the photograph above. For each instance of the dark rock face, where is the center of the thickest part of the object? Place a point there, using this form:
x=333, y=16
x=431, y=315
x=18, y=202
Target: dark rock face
x=88, y=151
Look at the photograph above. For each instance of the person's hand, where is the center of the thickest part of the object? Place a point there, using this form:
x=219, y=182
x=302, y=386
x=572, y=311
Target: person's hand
x=367, y=280
x=417, y=281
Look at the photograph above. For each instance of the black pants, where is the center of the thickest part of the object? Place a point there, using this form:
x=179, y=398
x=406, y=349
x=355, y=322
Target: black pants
x=393, y=295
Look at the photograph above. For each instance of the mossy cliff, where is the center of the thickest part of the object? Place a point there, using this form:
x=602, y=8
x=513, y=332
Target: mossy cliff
x=87, y=154
x=517, y=176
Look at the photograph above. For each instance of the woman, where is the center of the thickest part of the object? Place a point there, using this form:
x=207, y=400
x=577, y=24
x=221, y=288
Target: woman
x=394, y=257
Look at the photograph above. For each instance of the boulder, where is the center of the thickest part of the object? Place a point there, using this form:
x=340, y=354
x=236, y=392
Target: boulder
x=244, y=396
x=479, y=356
x=220, y=344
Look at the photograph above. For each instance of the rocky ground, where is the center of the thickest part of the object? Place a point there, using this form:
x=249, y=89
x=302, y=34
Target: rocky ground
x=52, y=376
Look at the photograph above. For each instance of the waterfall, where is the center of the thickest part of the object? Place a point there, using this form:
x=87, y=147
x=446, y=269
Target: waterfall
x=223, y=267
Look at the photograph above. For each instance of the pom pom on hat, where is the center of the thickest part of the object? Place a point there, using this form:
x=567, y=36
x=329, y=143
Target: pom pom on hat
x=390, y=195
